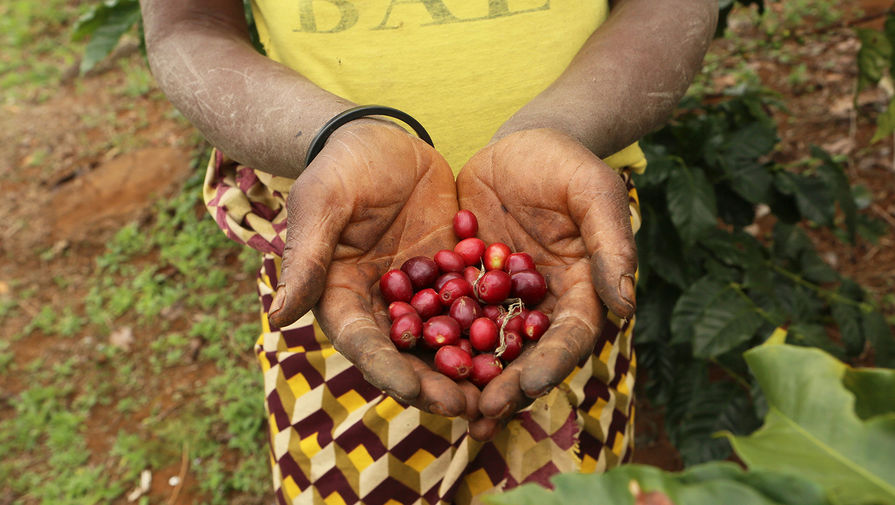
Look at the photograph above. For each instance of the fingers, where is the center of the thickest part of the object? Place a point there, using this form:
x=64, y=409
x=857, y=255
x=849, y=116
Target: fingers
x=314, y=227
x=575, y=326
x=345, y=316
x=598, y=201
x=573, y=332
x=439, y=394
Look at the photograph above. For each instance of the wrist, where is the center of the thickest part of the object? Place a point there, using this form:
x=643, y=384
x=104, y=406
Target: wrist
x=356, y=114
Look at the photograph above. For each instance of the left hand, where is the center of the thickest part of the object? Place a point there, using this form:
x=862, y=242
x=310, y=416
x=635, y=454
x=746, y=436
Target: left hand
x=542, y=192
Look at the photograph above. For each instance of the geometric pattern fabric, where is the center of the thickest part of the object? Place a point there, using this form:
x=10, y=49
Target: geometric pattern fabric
x=335, y=439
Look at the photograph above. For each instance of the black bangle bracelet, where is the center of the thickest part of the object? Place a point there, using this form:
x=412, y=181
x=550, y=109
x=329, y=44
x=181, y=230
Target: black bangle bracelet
x=359, y=112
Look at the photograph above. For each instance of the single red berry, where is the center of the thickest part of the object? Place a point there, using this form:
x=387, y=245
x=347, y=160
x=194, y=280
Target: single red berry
x=518, y=261
x=465, y=224
x=406, y=330
x=495, y=256
x=443, y=278
x=494, y=287
x=535, y=324
x=453, y=361
x=492, y=312
x=466, y=346
x=483, y=334
x=514, y=323
x=398, y=309
x=422, y=272
x=453, y=289
x=485, y=367
x=514, y=346
x=427, y=303
x=449, y=261
x=395, y=285
x=471, y=274
x=471, y=249
x=465, y=310
x=439, y=331
x=530, y=286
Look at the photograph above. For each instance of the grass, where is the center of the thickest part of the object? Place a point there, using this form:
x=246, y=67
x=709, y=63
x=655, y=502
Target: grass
x=145, y=271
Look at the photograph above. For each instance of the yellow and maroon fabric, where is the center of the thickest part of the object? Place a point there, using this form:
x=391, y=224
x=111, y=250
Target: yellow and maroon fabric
x=336, y=439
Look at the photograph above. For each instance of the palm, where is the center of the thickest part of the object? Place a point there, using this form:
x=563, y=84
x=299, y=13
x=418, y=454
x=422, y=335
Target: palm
x=373, y=198
x=543, y=193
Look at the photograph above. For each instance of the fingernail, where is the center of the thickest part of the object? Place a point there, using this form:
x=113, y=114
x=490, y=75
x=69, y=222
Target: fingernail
x=437, y=408
x=626, y=289
x=279, y=300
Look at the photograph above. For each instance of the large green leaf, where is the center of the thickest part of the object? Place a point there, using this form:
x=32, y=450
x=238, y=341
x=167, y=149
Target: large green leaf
x=834, y=176
x=691, y=203
x=742, y=156
x=105, y=24
x=813, y=430
x=714, y=316
x=709, y=484
x=813, y=197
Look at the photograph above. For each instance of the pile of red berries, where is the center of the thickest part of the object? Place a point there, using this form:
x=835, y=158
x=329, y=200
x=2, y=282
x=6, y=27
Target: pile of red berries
x=469, y=304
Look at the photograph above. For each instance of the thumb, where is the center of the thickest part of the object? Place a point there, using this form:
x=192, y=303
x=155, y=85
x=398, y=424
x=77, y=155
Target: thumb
x=314, y=225
x=600, y=201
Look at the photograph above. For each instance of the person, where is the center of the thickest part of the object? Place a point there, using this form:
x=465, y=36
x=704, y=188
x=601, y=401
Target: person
x=535, y=107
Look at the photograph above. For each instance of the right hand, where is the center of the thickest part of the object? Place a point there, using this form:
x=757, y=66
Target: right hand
x=374, y=197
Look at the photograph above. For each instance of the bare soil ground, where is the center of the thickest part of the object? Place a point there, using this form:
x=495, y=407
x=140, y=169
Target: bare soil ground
x=76, y=167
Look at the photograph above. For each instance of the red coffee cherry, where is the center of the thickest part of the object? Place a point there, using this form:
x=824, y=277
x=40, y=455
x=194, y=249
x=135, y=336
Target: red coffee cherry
x=453, y=361
x=454, y=289
x=535, y=324
x=518, y=261
x=494, y=287
x=439, y=331
x=406, y=330
x=485, y=367
x=495, y=256
x=395, y=285
x=484, y=334
x=398, y=309
x=465, y=224
x=471, y=249
x=465, y=310
x=422, y=271
x=514, y=346
x=530, y=286
x=427, y=303
x=449, y=261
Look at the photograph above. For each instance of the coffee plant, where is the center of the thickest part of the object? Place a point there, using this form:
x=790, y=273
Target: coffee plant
x=713, y=283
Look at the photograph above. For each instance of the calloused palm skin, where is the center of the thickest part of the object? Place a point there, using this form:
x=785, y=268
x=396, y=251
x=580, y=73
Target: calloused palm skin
x=374, y=197
x=542, y=192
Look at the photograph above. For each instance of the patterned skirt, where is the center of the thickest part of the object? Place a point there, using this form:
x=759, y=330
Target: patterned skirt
x=334, y=438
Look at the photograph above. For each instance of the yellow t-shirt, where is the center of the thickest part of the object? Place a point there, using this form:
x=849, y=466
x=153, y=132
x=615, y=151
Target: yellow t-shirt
x=460, y=67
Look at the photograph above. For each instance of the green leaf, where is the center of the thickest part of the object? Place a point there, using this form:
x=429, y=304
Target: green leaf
x=872, y=388
x=691, y=203
x=885, y=123
x=792, y=244
x=708, y=484
x=833, y=174
x=813, y=430
x=714, y=316
x=105, y=24
x=880, y=336
x=813, y=198
x=741, y=159
x=660, y=249
x=873, y=57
